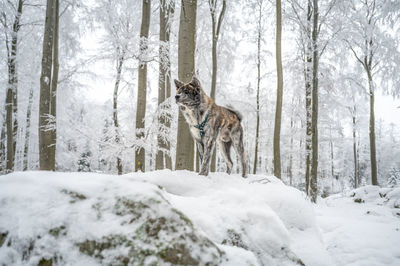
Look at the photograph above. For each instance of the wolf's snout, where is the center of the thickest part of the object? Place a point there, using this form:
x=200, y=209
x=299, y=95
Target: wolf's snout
x=177, y=97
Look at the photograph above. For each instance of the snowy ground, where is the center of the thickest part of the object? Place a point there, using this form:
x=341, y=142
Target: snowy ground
x=75, y=218
x=362, y=227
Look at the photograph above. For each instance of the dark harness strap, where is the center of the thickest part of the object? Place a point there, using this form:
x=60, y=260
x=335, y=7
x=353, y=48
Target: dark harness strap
x=203, y=124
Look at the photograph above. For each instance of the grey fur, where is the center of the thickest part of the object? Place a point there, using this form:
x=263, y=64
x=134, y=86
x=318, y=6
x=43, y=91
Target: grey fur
x=223, y=125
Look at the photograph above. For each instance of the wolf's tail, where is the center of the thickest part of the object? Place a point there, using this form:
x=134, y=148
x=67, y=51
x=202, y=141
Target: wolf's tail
x=236, y=112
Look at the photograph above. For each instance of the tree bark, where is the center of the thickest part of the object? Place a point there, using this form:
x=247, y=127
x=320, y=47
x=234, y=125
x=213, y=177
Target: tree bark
x=45, y=89
x=140, y=159
x=355, y=156
x=54, y=83
x=374, y=175
x=164, y=79
x=12, y=91
x=120, y=63
x=3, y=146
x=307, y=78
x=216, y=27
x=258, y=88
x=314, y=122
x=28, y=131
x=186, y=69
x=279, y=92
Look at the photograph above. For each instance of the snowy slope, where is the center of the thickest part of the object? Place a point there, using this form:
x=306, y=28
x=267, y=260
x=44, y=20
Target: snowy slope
x=159, y=217
x=363, y=226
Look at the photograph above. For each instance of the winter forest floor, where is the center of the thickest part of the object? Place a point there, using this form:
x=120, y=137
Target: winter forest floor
x=365, y=233
x=169, y=218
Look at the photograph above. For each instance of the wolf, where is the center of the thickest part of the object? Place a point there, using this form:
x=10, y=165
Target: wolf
x=210, y=123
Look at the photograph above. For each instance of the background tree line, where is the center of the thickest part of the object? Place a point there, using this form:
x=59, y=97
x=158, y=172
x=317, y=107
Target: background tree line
x=309, y=117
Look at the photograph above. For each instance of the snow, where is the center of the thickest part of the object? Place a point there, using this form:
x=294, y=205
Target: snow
x=254, y=221
x=362, y=227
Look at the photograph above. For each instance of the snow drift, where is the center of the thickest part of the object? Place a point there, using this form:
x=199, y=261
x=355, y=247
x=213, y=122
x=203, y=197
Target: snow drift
x=155, y=218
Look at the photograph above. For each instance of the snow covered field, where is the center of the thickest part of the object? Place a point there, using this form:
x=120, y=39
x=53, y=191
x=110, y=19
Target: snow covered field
x=168, y=218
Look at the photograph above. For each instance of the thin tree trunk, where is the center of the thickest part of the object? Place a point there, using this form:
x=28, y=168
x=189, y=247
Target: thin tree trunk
x=279, y=92
x=216, y=27
x=258, y=88
x=12, y=91
x=307, y=77
x=120, y=62
x=45, y=89
x=28, y=130
x=355, y=149
x=186, y=69
x=374, y=176
x=164, y=80
x=10, y=136
x=140, y=159
x=314, y=122
x=54, y=83
x=3, y=146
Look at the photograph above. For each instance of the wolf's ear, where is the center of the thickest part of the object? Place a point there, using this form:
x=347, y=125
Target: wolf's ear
x=195, y=82
x=178, y=83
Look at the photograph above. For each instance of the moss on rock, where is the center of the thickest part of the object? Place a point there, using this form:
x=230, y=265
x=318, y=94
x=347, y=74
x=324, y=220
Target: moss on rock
x=3, y=237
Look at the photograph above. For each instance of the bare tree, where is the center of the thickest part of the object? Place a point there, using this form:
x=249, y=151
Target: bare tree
x=259, y=36
x=279, y=92
x=46, y=120
x=12, y=89
x=314, y=120
x=372, y=47
x=140, y=159
x=28, y=130
x=186, y=69
x=164, y=79
x=216, y=23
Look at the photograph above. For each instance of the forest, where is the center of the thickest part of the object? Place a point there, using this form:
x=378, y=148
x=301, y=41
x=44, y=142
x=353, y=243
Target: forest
x=88, y=87
x=310, y=82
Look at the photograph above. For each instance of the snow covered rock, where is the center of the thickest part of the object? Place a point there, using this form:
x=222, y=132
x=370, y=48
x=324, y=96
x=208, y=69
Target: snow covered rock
x=156, y=218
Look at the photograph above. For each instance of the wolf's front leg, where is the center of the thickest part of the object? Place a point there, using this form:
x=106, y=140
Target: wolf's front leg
x=208, y=150
x=200, y=150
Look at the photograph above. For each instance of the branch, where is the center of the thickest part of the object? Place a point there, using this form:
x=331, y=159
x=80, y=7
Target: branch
x=221, y=17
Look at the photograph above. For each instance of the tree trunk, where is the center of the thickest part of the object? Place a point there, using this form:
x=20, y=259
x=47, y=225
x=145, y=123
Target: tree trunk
x=120, y=62
x=10, y=136
x=258, y=88
x=374, y=176
x=140, y=159
x=279, y=92
x=54, y=83
x=12, y=91
x=216, y=26
x=28, y=131
x=307, y=78
x=45, y=90
x=355, y=149
x=164, y=80
x=314, y=122
x=186, y=69
x=3, y=146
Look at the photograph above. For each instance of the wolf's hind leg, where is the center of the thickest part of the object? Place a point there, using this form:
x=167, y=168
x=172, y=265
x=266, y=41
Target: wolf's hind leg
x=225, y=148
x=237, y=139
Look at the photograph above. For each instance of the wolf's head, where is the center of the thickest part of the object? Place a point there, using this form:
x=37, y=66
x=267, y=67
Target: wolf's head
x=188, y=94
